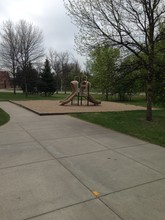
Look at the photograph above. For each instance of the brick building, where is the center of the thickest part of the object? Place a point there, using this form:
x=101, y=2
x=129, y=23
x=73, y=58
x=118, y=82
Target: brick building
x=5, y=81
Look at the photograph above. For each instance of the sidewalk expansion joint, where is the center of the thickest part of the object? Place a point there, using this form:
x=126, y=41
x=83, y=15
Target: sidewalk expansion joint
x=141, y=163
x=26, y=164
x=132, y=187
x=61, y=208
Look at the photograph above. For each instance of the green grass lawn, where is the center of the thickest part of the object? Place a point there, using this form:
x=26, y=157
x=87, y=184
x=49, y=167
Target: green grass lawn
x=4, y=117
x=132, y=123
x=136, y=100
x=5, y=96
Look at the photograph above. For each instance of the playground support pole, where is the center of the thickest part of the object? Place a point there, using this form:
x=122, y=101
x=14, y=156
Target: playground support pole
x=81, y=99
x=88, y=94
x=78, y=96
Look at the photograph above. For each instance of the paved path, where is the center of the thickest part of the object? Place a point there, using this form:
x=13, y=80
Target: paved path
x=61, y=168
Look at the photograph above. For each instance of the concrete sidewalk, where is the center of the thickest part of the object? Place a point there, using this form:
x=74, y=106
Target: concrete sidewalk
x=62, y=168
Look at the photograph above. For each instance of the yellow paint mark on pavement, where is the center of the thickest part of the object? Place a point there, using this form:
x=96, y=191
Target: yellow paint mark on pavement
x=95, y=193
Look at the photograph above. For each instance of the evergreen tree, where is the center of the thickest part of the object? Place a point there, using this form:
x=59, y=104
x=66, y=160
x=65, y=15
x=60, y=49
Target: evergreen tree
x=46, y=83
x=31, y=78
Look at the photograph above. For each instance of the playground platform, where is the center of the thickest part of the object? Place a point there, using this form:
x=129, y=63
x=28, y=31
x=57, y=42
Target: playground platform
x=51, y=107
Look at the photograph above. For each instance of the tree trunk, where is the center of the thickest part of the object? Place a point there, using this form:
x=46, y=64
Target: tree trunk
x=61, y=85
x=106, y=95
x=26, y=90
x=25, y=81
x=149, y=81
x=149, y=102
x=14, y=83
x=57, y=84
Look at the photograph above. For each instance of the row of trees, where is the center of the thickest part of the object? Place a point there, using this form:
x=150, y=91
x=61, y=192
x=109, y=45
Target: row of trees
x=126, y=77
x=22, y=53
x=42, y=83
x=65, y=67
x=21, y=44
x=47, y=80
x=133, y=26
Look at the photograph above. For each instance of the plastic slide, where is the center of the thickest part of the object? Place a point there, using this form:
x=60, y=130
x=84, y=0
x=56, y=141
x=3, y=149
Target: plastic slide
x=93, y=100
x=68, y=99
x=74, y=86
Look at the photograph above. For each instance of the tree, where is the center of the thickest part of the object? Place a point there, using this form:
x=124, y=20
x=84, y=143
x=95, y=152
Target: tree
x=75, y=69
x=103, y=67
x=21, y=44
x=46, y=82
x=129, y=79
x=64, y=60
x=9, y=49
x=74, y=73
x=30, y=46
x=32, y=78
x=159, y=80
x=54, y=60
x=129, y=24
x=60, y=63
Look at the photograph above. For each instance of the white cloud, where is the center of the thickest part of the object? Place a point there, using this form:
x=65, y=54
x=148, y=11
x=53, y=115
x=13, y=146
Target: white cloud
x=50, y=16
x=24, y=9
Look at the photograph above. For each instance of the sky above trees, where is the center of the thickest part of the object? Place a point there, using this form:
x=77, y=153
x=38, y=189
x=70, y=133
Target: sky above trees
x=50, y=16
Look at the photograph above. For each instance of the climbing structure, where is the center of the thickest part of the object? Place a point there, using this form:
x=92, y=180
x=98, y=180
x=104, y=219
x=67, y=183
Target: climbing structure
x=80, y=90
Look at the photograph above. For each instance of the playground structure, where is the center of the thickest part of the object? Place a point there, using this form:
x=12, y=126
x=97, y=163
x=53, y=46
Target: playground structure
x=80, y=89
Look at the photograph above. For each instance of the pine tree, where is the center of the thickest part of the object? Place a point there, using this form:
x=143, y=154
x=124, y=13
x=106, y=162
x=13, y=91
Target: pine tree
x=46, y=82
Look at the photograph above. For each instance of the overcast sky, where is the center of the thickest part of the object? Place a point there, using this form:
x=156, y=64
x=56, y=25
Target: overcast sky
x=50, y=16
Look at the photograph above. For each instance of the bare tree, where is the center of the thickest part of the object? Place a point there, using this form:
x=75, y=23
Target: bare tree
x=30, y=43
x=21, y=44
x=53, y=58
x=30, y=46
x=59, y=62
x=64, y=60
x=9, y=49
x=129, y=24
x=76, y=66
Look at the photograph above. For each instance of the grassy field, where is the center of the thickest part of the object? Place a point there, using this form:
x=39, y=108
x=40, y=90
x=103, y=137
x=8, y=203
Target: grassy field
x=4, y=117
x=132, y=123
x=5, y=96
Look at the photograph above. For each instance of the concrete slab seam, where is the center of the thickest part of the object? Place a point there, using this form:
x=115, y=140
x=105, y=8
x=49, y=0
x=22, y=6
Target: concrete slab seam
x=64, y=207
x=136, y=145
x=132, y=187
x=62, y=165
x=114, y=211
x=155, y=170
x=25, y=164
